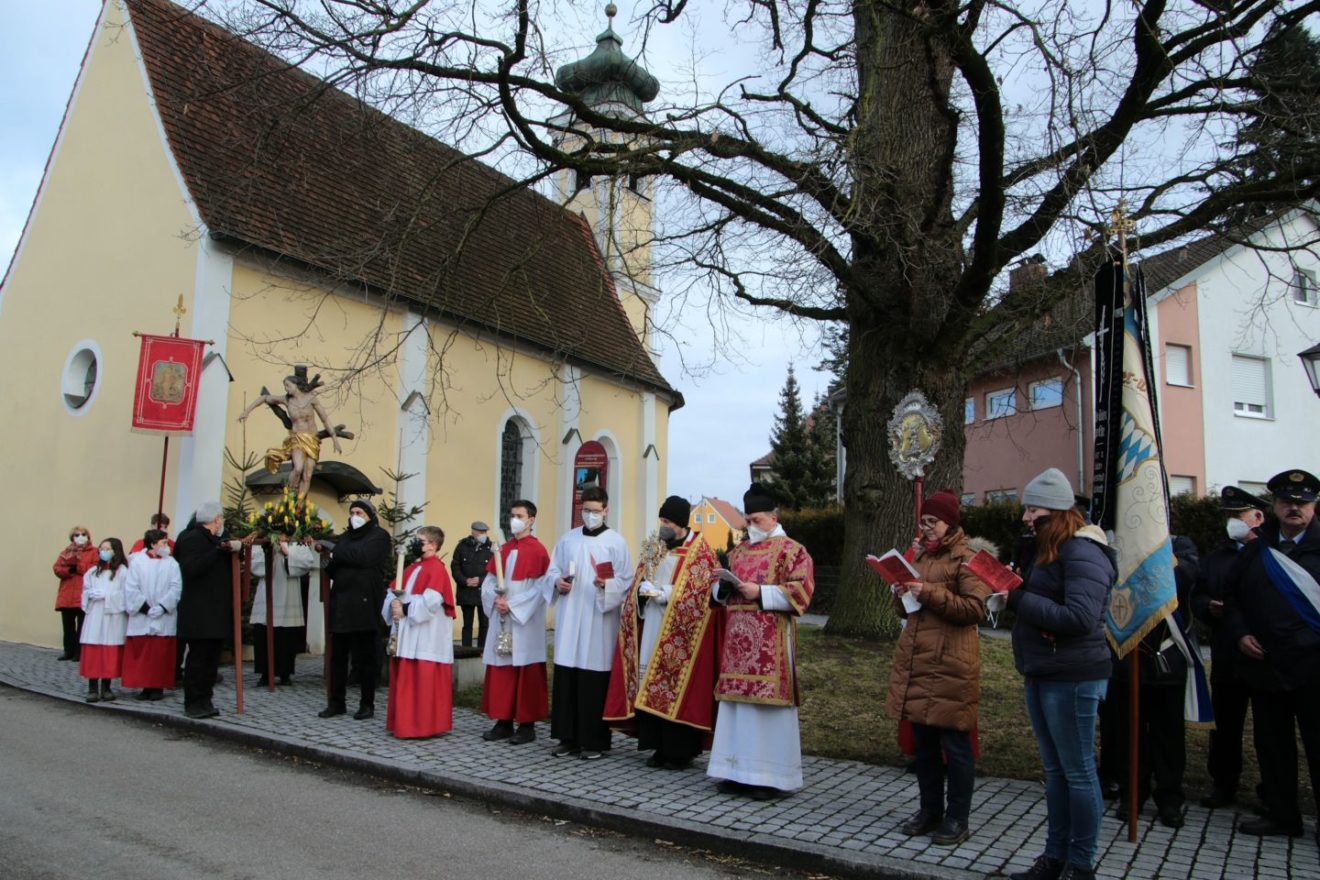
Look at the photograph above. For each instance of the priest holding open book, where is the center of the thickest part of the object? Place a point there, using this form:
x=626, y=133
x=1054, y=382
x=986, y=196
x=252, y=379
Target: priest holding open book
x=935, y=682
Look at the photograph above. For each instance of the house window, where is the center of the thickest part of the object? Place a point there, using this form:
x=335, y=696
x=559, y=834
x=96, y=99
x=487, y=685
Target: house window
x=1001, y=496
x=1251, y=387
x=1304, y=287
x=967, y=499
x=969, y=411
x=710, y=519
x=1001, y=403
x=80, y=380
x=581, y=181
x=1178, y=365
x=1046, y=393
x=1179, y=485
x=511, y=465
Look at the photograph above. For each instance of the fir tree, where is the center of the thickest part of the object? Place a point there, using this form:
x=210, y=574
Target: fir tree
x=822, y=444
x=790, y=468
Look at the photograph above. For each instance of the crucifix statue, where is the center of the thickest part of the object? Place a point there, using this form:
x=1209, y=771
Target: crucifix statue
x=298, y=409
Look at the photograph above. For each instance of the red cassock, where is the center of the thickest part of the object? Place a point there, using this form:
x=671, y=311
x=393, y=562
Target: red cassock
x=421, y=701
x=518, y=692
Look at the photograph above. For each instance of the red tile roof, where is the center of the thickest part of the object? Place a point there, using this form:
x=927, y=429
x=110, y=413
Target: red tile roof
x=286, y=164
x=729, y=513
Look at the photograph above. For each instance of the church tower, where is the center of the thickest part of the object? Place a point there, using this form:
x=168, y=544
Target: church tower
x=618, y=208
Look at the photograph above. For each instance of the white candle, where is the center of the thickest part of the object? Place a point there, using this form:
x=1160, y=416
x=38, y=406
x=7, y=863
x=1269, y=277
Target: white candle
x=398, y=572
x=499, y=569
x=572, y=569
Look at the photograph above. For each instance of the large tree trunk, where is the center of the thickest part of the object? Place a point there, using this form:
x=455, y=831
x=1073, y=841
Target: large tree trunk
x=907, y=259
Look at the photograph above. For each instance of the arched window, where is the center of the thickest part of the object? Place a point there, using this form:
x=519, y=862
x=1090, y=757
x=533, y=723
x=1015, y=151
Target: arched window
x=511, y=470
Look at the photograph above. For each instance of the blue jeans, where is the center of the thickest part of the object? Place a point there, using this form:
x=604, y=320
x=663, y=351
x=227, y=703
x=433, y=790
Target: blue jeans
x=1063, y=716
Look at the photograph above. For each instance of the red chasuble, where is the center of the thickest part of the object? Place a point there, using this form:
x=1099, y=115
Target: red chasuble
x=756, y=660
x=680, y=677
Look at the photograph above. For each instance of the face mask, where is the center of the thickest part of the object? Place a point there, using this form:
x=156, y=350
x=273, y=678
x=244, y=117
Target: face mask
x=484, y=539
x=591, y=519
x=517, y=525
x=107, y=555
x=1237, y=529
x=79, y=540
x=756, y=535
x=163, y=552
x=667, y=533
x=356, y=521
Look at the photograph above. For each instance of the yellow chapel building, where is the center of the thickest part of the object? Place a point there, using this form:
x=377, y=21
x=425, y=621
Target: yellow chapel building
x=490, y=341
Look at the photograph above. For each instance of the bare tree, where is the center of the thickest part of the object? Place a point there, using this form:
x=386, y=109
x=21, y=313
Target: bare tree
x=877, y=164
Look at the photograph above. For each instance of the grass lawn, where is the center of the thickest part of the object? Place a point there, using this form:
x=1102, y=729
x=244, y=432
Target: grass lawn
x=845, y=682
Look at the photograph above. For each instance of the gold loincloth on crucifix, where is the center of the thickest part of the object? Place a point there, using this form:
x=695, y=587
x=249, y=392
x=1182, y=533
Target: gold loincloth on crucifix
x=310, y=444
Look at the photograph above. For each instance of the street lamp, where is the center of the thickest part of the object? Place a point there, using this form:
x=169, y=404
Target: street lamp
x=1311, y=361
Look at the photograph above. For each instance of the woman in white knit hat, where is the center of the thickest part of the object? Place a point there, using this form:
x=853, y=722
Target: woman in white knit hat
x=1059, y=647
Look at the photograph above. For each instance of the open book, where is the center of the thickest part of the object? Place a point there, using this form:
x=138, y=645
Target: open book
x=995, y=574
x=893, y=568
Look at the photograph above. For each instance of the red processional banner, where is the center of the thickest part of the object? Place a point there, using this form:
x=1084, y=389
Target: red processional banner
x=165, y=396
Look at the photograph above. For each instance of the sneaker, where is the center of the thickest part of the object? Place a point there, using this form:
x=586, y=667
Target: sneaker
x=592, y=756
x=951, y=832
x=501, y=730
x=523, y=735
x=920, y=822
x=564, y=749
x=1044, y=868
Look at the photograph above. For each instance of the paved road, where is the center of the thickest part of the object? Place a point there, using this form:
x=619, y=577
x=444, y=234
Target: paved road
x=86, y=794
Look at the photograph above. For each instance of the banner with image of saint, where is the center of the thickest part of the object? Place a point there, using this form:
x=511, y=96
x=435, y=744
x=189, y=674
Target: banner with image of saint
x=165, y=392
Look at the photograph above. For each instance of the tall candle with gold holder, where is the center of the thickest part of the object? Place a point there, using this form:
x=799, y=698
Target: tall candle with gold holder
x=504, y=638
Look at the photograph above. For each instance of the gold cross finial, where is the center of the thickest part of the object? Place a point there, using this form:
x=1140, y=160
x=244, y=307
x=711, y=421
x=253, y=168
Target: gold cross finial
x=179, y=312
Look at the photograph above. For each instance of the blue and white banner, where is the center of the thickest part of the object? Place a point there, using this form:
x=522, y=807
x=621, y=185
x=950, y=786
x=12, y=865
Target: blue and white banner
x=1131, y=498
x=1197, y=708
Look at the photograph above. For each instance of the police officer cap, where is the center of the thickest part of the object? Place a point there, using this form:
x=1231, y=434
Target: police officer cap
x=1235, y=500
x=1294, y=485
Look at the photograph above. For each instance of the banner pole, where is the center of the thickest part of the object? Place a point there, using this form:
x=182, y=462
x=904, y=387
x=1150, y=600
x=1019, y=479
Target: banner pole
x=1134, y=742
x=164, y=465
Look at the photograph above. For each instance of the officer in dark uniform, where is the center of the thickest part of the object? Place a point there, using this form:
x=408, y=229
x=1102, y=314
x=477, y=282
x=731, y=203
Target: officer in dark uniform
x=1271, y=613
x=1244, y=513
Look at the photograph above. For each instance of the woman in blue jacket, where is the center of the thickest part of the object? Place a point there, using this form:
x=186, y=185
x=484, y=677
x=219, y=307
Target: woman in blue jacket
x=1059, y=647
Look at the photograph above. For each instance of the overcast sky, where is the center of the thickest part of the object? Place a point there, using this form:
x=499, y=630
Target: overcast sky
x=730, y=407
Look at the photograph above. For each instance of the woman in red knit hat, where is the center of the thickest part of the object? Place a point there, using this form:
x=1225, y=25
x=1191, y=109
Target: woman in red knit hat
x=935, y=682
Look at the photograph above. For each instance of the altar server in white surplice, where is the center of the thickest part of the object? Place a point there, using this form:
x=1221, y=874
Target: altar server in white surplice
x=151, y=597
x=590, y=574
x=292, y=562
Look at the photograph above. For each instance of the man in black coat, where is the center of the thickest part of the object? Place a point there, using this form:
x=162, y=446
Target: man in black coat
x=206, y=605
x=358, y=564
x=468, y=566
x=1273, y=616
x=1244, y=513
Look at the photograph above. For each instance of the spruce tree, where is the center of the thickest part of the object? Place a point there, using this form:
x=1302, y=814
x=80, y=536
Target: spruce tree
x=790, y=469
x=822, y=444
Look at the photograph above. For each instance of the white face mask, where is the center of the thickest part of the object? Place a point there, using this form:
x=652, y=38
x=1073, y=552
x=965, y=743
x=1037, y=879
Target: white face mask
x=756, y=535
x=1237, y=529
x=356, y=521
x=80, y=540
x=591, y=519
x=517, y=525
x=162, y=552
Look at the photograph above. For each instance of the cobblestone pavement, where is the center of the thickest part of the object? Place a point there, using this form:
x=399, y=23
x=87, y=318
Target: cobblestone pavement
x=842, y=822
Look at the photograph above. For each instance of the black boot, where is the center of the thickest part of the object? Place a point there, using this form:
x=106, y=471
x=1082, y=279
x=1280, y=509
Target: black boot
x=501, y=730
x=1045, y=868
x=93, y=693
x=920, y=822
x=107, y=695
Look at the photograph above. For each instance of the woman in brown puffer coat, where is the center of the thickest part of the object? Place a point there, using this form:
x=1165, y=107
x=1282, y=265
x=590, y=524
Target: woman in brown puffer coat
x=935, y=682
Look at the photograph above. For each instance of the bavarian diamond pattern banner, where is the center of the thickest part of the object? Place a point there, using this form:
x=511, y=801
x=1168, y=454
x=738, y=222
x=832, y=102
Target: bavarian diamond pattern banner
x=1131, y=498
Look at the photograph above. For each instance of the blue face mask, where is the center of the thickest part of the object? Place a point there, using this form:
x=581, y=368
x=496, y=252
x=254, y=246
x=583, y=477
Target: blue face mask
x=107, y=555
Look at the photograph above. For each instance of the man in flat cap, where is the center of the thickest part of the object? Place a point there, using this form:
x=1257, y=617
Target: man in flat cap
x=1273, y=612
x=662, y=684
x=758, y=749
x=1244, y=513
x=470, y=561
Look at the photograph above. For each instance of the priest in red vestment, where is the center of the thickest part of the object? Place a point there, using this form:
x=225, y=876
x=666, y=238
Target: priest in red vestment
x=758, y=749
x=662, y=683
